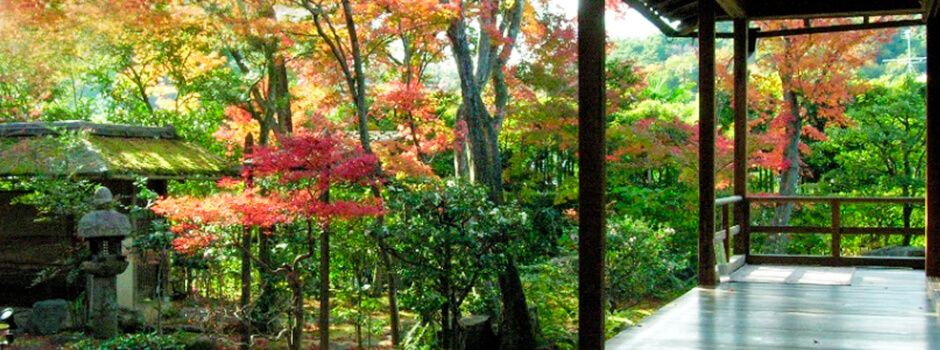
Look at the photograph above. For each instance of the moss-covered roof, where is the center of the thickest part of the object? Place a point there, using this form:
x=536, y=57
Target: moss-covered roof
x=95, y=155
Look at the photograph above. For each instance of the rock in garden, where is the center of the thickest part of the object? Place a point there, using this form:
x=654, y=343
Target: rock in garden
x=49, y=317
x=130, y=321
x=476, y=332
x=897, y=251
x=20, y=320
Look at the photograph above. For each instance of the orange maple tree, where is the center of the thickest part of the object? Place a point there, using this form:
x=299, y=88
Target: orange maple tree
x=804, y=83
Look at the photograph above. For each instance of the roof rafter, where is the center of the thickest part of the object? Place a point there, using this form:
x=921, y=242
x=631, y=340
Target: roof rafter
x=734, y=8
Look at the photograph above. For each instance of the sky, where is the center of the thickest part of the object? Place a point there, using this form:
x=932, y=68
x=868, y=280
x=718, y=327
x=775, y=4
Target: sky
x=631, y=25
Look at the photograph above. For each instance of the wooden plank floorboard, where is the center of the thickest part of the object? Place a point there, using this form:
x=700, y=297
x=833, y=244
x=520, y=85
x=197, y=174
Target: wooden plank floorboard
x=882, y=309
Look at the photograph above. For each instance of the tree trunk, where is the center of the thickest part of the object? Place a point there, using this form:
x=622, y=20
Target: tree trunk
x=283, y=99
x=359, y=95
x=481, y=132
x=908, y=211
x=449, y=309
x=487, y=169
x=515, y=329
x=790, y=175
x=461, y=153
x=324, y=322
x=297, y=332
x=262, y=315
x=906, y=192
x=246, y=289
x=394, y=318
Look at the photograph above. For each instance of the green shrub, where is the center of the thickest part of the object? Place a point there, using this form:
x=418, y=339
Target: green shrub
x=553, y=287
x=140, y=341
x=639, y=266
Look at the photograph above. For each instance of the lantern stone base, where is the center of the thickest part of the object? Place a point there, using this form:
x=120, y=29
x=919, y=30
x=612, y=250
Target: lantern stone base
x=102, y=295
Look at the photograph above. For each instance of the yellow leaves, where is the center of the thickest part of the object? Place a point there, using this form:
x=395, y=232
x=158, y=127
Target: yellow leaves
x=401, y=161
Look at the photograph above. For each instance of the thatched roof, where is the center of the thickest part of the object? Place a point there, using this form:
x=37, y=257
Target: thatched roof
x=680, y=17
x=103, y=150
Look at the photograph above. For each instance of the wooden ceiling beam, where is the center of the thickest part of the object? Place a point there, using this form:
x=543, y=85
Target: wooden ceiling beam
x=734, y=8
x=815, y=8
x=840, y=28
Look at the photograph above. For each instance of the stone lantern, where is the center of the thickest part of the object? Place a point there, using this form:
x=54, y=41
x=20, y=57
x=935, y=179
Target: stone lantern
x=103, y=229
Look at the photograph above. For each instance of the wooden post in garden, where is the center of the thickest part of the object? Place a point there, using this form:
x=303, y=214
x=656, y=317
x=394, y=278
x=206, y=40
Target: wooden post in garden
x=707, y=135
x=742, y=209
x=591, y=177
x=933, y=141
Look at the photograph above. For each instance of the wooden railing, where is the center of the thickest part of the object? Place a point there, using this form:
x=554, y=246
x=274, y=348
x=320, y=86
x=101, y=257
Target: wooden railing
x=836, y=230
x=726, y=232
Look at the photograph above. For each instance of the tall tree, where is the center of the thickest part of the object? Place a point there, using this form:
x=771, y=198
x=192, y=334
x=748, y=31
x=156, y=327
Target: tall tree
x=815, y=79
x=500, y=24
x=883, y=151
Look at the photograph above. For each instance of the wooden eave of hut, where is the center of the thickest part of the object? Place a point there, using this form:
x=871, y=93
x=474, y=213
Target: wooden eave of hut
x=105, y=151
x=681, y=17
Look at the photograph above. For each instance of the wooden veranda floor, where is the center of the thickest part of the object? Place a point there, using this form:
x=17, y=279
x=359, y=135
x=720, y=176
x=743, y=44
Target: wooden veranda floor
x=882, y=309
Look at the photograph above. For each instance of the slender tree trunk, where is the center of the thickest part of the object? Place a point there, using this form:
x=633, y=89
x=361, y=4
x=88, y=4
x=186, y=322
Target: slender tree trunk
x=324, y=322
x=262, y=314
x=447, y=327
x=359, y=95
x=906, y=192
x=282, y=102
x=246, y=289
x=790, y=175
x=246, y=262
x=461, y=153
x=296, y=286
x=908, y=211
x=394, y=318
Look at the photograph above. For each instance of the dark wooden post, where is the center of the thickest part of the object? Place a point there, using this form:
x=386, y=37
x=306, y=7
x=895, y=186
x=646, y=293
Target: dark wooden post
x=706, y=156
x=933, y=147
x=591, y=177
x=742, y=215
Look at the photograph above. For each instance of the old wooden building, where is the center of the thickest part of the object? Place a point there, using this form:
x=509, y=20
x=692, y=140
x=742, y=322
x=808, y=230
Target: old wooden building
x=111, y=155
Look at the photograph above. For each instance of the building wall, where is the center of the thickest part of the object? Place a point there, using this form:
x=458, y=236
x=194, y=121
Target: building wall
x=29, y=247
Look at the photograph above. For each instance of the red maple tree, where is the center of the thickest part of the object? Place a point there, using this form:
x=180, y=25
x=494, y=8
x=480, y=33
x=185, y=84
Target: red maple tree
x=306, y=166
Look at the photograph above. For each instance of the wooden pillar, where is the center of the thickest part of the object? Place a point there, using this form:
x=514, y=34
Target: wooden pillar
x=933, y=147
x=706, y=155
x=742, y=215
x=591, y=176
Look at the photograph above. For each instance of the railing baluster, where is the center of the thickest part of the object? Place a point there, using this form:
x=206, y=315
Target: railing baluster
x=836, y=228
x=726, y=225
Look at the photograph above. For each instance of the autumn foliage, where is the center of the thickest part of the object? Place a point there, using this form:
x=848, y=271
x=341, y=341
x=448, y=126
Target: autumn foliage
x=306, y=166
x=803, y=85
